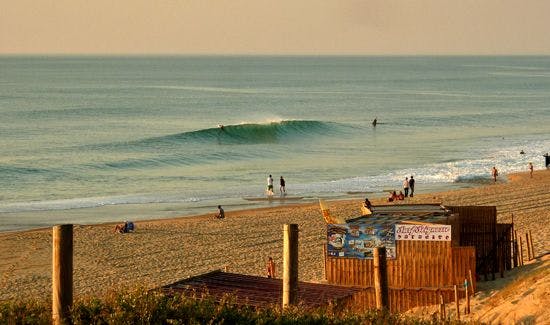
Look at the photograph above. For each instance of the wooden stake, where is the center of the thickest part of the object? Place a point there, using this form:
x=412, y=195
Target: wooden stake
x=520, y=251
x=290, y=265
x=515, y=253
x=531, y=243
x=514, y=245
x=471, y=282
x=442, y=304
x=467, y=307
x=457, y=303
x=62, y=273
x=501, y=259
x=380, y=278
x=325, y=260
x=529, y=257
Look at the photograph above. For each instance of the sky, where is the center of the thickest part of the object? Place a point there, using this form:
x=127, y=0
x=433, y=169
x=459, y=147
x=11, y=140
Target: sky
x=277, y=27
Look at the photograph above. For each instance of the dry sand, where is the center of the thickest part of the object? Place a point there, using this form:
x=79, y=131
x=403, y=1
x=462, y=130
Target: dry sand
x=164, y=251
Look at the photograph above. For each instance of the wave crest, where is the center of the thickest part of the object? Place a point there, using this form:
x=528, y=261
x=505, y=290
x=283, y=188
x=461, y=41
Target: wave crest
x=249, y=133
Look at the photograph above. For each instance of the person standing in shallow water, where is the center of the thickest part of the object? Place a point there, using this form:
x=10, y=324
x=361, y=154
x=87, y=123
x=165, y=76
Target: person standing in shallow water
x=282, y=183
x=411, y=186
x=270, y=185
x=531, y=169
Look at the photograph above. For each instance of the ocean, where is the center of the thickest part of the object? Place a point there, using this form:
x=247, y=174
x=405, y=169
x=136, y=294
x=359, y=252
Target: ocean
x=88, y=139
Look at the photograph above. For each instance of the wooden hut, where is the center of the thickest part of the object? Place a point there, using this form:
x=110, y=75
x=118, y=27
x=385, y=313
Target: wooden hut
x=431, y=248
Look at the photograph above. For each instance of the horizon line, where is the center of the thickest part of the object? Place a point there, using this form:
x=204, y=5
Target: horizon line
x=268, y=55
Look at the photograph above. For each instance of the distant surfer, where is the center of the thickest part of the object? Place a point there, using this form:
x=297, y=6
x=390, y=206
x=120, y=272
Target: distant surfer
x=374, y=122
x=220, y=126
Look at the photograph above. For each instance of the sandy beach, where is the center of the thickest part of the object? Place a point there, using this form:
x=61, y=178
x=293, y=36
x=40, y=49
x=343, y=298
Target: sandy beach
x=164, y=251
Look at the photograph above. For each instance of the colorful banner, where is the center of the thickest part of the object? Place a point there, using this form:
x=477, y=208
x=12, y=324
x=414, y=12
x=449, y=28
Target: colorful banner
x=358, y=240
x=432, y=232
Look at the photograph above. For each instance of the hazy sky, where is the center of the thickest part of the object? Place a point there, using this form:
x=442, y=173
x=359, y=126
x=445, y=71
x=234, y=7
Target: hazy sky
x=275, y=26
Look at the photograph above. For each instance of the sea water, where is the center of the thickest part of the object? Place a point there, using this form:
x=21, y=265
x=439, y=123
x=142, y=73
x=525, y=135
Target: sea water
x=88, y=139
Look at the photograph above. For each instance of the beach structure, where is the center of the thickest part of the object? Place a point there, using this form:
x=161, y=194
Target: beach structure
x=430, y=250
x=259, y=291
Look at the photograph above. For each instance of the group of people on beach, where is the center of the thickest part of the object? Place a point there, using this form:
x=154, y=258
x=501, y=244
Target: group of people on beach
x=221, y=213
x=408, y=188
x=494, y=171
x=126, y=227
x=282, y=185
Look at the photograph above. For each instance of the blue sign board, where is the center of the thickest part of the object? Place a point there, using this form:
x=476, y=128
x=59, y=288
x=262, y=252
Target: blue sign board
x=358, y=239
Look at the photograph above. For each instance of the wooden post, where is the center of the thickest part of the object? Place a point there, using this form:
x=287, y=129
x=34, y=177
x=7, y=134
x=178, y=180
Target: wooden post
x=514, y=245
x=325, y=260
x=471, y=281
x=501, y=255
x=515, y=256
x=62, y=273
x=442, y=304
x=290, y=264
x=380, y=278
x=520, y=251
x=531, y=243
x=457, y=303
x=529, y=256
x=467, y=307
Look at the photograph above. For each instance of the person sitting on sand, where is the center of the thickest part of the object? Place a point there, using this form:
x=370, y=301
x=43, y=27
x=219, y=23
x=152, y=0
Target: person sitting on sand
x=392, y=197
x=221, y=213
x=270, y=268
x=401, y=196
x=367, y=204
x=121, y=228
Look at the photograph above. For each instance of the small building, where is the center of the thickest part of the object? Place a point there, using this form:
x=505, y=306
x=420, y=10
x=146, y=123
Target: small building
x=430, y=249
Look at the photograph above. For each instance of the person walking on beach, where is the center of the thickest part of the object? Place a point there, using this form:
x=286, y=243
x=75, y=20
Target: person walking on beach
x=494, y=172
x=221, y=213
x=531, y=169
x=282, y=183
x=406, y=186
x=270, y=268
x=270, y=185
x=411, y=186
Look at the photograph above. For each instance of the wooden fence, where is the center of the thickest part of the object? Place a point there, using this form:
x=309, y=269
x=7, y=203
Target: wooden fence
x=403, y=299
x=420, y=269
x=478, y=228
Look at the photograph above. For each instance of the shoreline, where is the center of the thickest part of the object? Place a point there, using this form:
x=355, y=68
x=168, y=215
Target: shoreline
x=138, y=212
x=163, y=251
